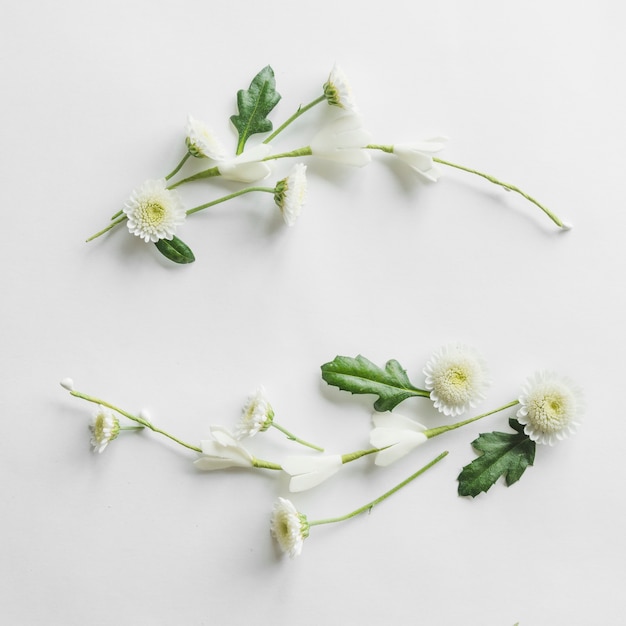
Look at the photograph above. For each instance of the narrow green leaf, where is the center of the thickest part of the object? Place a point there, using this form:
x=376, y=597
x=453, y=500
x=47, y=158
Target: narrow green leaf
x=255, y=104
x=503, y=454
x=175, y=250
x=359, y=375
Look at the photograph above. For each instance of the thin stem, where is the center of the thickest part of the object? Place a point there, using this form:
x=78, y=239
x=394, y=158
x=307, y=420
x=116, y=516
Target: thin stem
x=119, y=220
x=353, y=456
x=177, y=168
x=265, y=464
x=301, y=110
x=292, y=437
x=375, y=146
x=508, y=186
x=212, y=171
x=373, y=503
x=134, y=418
x=230, y=196
x=305, y=151
x=433, y=432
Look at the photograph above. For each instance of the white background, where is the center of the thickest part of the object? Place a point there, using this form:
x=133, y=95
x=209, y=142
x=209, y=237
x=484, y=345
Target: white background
x=94, y=101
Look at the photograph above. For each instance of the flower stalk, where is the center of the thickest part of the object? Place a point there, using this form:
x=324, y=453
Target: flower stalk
x=292, y=437
x=179, y=166
x=370, y=505
x=439, y=430
x=142, y=421
x=301, y=110
x=507, y=186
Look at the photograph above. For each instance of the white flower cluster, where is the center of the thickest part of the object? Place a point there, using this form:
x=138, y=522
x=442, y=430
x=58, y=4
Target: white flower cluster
x=155, y=210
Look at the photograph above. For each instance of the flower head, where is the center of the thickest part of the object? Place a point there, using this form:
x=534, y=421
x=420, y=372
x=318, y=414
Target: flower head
x=288, y=527
x=551, y=406
x=257, y=415
x=419, y=156
x=247, y=167
x=290, y=193
x=201, y=142
x=309, y=471
x=222, y=451
x=343, y=140
x=104, y=428
x=397, y=435
x=338, y=92
x=456, y=377
x=154, y=212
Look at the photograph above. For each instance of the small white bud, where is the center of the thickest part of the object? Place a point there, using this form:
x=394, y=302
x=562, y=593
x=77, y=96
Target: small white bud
x=67, y=383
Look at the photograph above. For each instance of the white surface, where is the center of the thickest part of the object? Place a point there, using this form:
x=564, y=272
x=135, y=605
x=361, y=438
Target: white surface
x=95, y=98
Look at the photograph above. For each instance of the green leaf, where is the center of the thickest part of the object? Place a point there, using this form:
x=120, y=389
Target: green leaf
x=254, y=106
x=503, y=454
x=175, y=250
x=359, y=375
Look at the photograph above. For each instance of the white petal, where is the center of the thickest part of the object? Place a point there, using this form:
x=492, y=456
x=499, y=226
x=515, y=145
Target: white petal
x=214, y=463
x=410, y=440
x=248, y=166
x=310, y=471
x=393, y=420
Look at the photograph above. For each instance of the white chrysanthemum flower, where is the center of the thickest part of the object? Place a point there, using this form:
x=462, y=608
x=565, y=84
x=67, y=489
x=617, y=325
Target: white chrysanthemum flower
x=456, y=377
x=290, y=193
x=419, y=156
x=288, y=527
x=551, y=406
x=154, y=212
x=343, y=140
x=222, y=451
x=338, y=92
x=104, y=428
x=257, y=415
x=309, y=471
x=398, y=435
x=247, y=167
x=201, y=142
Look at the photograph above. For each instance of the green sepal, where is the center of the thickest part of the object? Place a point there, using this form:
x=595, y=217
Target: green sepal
x=359, y=375
x=255, y=104
x=175, y=250
x=503, y=454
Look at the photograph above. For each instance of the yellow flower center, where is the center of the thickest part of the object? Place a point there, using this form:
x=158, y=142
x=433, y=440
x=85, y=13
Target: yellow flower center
x=152, y=213
x=549, y=412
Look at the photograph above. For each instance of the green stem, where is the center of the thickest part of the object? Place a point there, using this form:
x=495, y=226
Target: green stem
x=292, y=437
x=265, y=464
x=230, y=196
x=305, y=151
x=433, y=432
x=119, y=220
x=375, y=146
x=373, y=503
x=177, y=168
x=301, y=110
x=212, y=171
x=495, y=181
x=353, y=456
x=134, y=418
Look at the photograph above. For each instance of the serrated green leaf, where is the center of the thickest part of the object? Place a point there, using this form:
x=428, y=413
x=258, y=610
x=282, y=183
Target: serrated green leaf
x=359, y=375
x=255, y=104
x=175, y=250
x=503, y=454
